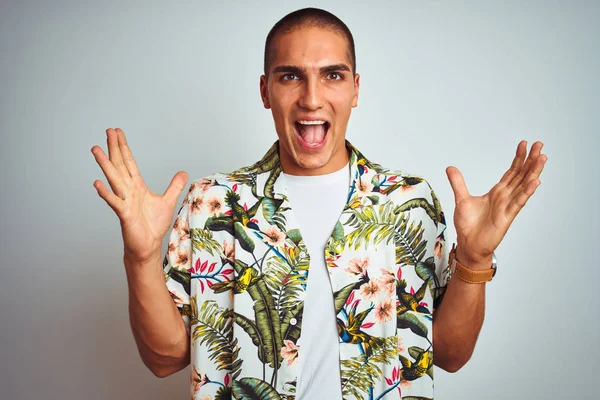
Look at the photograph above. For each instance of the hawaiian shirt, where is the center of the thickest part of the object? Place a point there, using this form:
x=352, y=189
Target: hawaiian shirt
x=237, y=268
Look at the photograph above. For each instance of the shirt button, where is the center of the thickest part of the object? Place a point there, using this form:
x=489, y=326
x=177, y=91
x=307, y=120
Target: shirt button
x=302, y=254
x=293, y=321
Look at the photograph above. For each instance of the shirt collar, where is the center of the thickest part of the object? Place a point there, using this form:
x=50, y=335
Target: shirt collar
x=269, y=182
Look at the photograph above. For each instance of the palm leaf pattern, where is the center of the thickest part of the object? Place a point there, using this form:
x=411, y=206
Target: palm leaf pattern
x=202, y=239
x=384, y=222
x=360, y=373
x=285, y=279
x=214, y=328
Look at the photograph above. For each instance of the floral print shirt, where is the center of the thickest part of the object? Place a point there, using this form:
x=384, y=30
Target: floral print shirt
x=237, y=267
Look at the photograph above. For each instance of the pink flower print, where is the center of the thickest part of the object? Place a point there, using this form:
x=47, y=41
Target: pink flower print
x=215, y=205
x=182, y=228
x=175, y=297
x=289, y=352
x=384, y=311
x=274, y=236
x=387, y=282
x=196, y=204
x=228, y=251
x=363, y=186
x=203, y=184
x=369, y=290
x=171, y=248
x=183, y=259
x=197, y=379
x=439, y=245
x=401, y=348
x=405, y=187
x=358, y=266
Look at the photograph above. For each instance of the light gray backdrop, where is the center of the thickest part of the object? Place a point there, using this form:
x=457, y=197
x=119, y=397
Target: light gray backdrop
x=443, y=83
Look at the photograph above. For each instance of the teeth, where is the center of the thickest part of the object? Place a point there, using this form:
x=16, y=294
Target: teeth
x=311, y=122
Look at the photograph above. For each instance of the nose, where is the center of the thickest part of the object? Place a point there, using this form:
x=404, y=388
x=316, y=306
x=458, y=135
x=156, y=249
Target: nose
x=311, y=97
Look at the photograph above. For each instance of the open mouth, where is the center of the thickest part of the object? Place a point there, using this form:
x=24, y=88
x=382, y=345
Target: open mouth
x=312, y=132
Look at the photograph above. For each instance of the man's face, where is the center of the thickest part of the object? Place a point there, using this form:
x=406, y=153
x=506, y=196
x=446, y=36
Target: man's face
x=311, y=92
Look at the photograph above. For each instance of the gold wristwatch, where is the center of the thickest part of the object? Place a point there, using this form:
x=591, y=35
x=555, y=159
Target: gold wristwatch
x=470, y=275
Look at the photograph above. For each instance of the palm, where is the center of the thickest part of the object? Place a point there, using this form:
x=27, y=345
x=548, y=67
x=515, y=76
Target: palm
x=145, y=216
x=482, y=221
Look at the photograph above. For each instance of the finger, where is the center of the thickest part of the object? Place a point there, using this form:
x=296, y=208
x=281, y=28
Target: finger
x=515, y=167
x=111, y=199
x=112, y=175
x=534, y=153
x=457, y=183
x=114, y=154
x=521, y=198
x=175, y=187
x=128, y=159
x=536, y=170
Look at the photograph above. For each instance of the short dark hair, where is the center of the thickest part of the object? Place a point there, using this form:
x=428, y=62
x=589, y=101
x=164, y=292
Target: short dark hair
x=308, y=17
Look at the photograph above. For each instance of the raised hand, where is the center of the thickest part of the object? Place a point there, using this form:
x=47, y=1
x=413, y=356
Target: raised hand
x=482, y=221
x=144, y=215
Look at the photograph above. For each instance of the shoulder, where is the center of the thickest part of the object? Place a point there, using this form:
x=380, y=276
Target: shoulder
x=399, y=184
x=408, y=191
x=218, y=183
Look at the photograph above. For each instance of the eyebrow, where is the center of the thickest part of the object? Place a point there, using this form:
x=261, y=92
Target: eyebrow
x=297, y=70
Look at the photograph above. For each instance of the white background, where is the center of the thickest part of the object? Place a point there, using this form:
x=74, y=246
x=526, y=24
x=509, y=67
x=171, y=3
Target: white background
x=443, y=83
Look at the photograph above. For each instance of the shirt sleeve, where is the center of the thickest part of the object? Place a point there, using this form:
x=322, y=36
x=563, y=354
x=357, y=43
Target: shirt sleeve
x=177, y=262
x=440, y=254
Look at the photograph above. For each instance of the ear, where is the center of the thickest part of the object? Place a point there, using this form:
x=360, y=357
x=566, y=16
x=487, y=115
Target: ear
x=264, y=92
x=356, y=87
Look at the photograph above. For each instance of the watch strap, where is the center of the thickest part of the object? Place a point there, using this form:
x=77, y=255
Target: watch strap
x=466, y=274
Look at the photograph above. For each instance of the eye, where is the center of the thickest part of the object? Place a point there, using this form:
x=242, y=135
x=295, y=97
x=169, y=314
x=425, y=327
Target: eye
x=289, y=77
x=334, y=76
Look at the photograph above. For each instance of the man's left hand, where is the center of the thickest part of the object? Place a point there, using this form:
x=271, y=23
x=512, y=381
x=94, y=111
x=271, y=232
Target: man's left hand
x=482, y=221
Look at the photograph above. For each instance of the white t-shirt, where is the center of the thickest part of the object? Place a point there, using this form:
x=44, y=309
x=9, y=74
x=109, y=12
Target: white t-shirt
x=317, y=203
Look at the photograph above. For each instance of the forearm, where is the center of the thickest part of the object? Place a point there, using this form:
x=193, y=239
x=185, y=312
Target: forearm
x=157, y=325
x=458, y=320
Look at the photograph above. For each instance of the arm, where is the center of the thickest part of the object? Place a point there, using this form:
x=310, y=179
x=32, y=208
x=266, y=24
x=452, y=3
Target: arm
x=458, y=320
x=157, y=326
x=481, y=223
x=145, y=216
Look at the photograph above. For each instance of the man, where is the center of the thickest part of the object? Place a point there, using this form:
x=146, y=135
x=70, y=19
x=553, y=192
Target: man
x=315, y=272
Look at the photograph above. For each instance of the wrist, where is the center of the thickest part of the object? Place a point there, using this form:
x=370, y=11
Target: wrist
x=472, y=260
x=135, y=266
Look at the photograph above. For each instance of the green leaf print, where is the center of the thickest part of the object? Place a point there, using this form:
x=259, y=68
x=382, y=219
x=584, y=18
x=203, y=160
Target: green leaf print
x=202, y=239
x=269, y=185
x=360, y=373
x=416, y=398
x=338, y=232
x=252, y=330
x=267, y=324
x=294, y=236
x=224, y=393
x=285, y=279
x=272, y=212
x=242, y=237
x=410, y=246
x=340, y=297
x=416, y=203
x=410, y=321
x=253, y=388
x=213, y=327
x=219, y=224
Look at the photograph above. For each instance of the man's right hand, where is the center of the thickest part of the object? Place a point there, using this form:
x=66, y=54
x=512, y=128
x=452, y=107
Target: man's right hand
x=144, y=215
